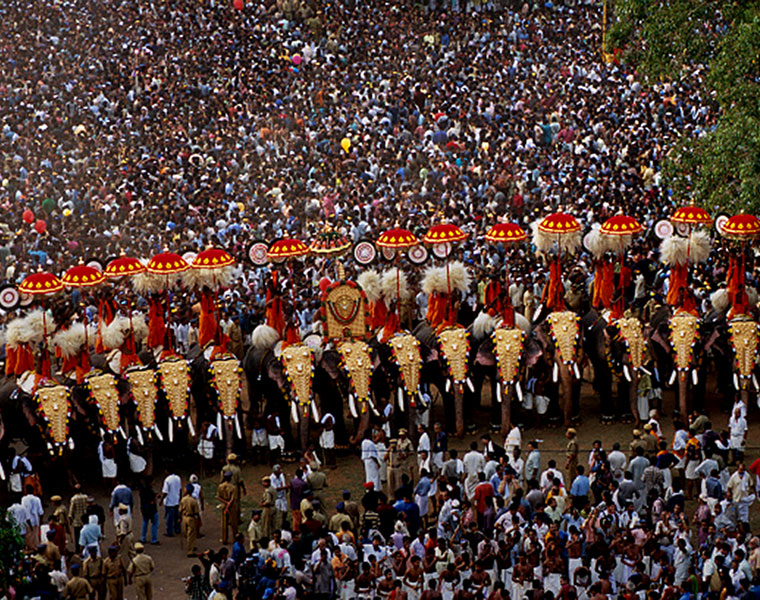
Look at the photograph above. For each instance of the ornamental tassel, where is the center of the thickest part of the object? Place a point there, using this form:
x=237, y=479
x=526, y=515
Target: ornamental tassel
x=498, y=392
x=171, y=430
x=352, y=406
x=190, y=426
x=237, y=427
x=157, y=431
x=219, y=425
x=294, y=412
x=672, y=379
x=139, y=435
x=555, y=373
x=518, y=389
x=626, y=373
x=400, y=399
x=694, y=376
x=314, y=411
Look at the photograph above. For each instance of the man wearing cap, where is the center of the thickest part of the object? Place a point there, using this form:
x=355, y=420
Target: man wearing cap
x=77, y=588
x=62, y=523
x=236, y=477
x=92, y=571
x=140, y=572
x=189, y=512
x=339, y=518
x=115, y=574
x=571, y=454
x=226, y=494
x=268, y=498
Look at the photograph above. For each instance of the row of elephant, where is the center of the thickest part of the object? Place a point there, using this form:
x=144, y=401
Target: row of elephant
x=354, y=380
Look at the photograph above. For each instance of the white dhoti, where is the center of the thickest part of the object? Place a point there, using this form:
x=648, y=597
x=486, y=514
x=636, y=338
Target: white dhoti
x=372, y=474
x=447, y=590
x=346, y=590
x=572, y=565
x=470, y=483
x=109, y=468
x=552, y=583
x=422, y=502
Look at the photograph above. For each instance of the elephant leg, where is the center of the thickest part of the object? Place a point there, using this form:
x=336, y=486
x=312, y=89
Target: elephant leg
x=508, y=393
x=363, y=423
x=303, y=429
x=683, y=391
x=459, y=410
x=565, y=393
x=633, y=397
x=229, y=435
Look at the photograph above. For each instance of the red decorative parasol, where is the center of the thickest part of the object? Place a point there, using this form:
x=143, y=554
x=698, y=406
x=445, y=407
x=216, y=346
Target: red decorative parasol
x=444, y=234
x=398, y=239
x=559, y=223
x=40, y=284
x=330, y=243
x=287, y=248
x=122, y=266
x=506, y=232
x=691, y=215
x=167, y=263
x=741, y=227
x=621, y=225
x=82, y=276
x=213, y=258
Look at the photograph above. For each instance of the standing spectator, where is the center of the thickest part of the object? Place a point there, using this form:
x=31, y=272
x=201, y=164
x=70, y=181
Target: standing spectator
x=171, y=491
x=77, y=508
x=33, y=509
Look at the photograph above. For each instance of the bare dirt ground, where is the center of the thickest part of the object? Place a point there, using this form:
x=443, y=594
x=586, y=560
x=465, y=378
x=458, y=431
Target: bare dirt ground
x=172, y=564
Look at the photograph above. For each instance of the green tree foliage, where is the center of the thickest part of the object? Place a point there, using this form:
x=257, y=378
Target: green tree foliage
x=714, y=44
x=11, y=550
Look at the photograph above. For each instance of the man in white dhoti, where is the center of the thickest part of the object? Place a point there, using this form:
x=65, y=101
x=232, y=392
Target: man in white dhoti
x=474, y=463
x=371, y=460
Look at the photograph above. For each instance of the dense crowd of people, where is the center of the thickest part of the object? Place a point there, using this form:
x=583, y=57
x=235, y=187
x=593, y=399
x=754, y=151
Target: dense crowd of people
x=428, y=525
x=140, y=126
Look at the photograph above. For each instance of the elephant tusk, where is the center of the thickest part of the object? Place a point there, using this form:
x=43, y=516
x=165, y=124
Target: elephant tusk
x=171, y=430
x=372, y=406
x=157, y=431
x=237, y=427
x=555, y=373
x=400, y=399
x=736, y=382
x=190, y=426
x=470, y=385
x=498, y=391
x=448, y=385
x=71, y=447
x=50, y=447
x=657, y=375
x=694, y=376
x=518, y=389
x=627, y=373
x=122, y=432
x=576, y=371
x=2, y=471
x=352, y=406
x=294, y=412
x=219, y=424
x=672, y=379
x=139, y=435
x=754, y=381
x=314, y=411
x=645, y=371
x=422, y=398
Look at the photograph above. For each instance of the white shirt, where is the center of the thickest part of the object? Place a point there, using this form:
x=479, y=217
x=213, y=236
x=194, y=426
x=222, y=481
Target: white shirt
x=19, y=516
x=424, y=443
x=369, y=451
x=172, y=490
x=474, y=463
x=33, y=507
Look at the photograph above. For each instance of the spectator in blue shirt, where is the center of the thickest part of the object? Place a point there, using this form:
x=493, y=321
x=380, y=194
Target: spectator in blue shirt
x=579, y=490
